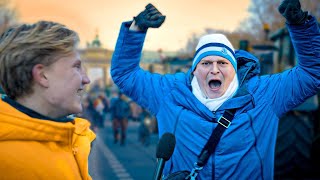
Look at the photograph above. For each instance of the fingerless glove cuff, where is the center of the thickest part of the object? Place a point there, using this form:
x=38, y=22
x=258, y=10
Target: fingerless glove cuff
x=301, y=19
x=141, y=25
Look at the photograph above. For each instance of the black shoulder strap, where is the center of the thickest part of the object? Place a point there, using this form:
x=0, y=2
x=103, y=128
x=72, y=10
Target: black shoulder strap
x=223, y=123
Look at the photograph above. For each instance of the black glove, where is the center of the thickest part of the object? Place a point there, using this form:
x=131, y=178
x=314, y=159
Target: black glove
x=150, y=17
x=291, y=10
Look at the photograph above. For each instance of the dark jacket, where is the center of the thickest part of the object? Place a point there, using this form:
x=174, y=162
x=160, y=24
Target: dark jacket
x=120, y=109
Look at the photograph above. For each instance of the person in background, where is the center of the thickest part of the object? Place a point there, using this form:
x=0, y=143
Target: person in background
x=136, y=111
x=106, y=105
x=88, y=111
x=221, y=80
x=146, y=128
x=120, y=112
x=98, y=111
x=43, y=78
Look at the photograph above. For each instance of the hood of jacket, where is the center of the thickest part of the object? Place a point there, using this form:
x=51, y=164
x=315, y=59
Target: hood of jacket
x=248, y=66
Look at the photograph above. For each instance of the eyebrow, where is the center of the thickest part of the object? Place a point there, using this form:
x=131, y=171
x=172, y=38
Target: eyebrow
x=220, y=59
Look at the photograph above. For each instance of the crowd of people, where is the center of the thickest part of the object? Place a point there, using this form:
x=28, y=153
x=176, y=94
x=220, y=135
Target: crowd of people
x=109, y=104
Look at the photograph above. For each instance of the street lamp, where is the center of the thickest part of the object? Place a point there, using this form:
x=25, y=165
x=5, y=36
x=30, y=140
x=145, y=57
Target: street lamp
x=266, y=29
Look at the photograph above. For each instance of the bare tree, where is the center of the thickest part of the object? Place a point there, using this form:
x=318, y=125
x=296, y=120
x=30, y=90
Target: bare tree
x=313, y=6
x=190, y=47
x=7, y=15
x=265, y=17
x=234, y=38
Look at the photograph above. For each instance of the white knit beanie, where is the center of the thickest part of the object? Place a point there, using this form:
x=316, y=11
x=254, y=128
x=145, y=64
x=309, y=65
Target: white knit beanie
x=214, y=44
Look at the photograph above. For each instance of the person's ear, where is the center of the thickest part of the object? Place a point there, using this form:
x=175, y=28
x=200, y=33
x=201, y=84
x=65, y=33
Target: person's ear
x=39, y=76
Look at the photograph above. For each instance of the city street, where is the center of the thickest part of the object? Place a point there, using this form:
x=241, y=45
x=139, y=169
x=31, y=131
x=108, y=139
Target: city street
x=133, y=161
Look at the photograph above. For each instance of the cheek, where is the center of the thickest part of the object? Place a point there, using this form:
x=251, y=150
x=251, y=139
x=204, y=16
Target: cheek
x=200, y=74
x=229, y=77
x=201, y=82
x=72, y=79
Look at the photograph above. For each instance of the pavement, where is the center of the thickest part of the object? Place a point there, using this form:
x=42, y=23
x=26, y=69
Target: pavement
x=132, y=161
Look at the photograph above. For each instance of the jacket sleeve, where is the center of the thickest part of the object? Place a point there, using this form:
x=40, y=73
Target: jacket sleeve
x=143, y=87
x=290, y=88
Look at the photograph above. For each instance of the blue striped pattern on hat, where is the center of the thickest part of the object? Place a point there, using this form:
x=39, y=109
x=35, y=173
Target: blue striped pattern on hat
x=214, y=44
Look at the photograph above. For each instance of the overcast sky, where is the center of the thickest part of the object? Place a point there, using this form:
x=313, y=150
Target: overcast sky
x=105, y=17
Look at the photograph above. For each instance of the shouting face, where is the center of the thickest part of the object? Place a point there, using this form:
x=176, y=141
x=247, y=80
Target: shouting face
x=214, y=75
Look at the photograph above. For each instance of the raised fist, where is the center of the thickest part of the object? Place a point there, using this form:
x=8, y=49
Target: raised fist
x=291, y=10
x=150, y=17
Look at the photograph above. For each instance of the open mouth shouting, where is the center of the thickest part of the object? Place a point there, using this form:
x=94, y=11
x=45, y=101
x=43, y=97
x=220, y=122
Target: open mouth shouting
x=214, y=84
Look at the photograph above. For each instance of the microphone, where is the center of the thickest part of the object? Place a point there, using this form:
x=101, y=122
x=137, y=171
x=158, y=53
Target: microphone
x=164, y=151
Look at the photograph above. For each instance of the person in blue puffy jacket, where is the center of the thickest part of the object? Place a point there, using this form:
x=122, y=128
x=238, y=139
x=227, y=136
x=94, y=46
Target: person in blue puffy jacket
x=190, y=105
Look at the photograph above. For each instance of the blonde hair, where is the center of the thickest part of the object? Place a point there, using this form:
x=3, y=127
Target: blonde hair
x=24, y=46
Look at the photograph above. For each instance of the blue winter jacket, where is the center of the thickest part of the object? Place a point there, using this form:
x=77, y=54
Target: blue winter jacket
x=246, y=149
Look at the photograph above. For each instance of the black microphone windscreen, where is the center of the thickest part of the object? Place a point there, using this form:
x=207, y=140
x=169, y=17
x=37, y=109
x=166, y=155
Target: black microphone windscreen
x=166, y=146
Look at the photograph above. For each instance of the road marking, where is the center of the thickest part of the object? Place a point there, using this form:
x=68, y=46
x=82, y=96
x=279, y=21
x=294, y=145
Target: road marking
x=116, y=166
